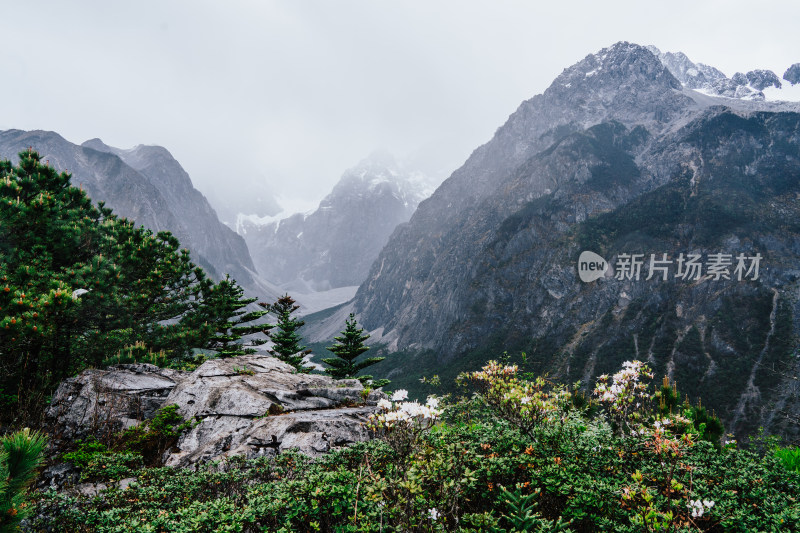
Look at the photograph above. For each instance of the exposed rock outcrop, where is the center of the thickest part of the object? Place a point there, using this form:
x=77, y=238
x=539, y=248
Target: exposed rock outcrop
x=105, y=401
x=251, y=405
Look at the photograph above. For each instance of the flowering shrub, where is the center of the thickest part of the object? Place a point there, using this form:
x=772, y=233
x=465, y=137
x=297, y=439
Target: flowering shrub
x=466, y=466
x=522, y=402
x=400, y=423
x=626, y=396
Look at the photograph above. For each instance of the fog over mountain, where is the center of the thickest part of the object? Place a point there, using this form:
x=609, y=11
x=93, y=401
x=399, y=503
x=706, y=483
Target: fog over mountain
x=334, y=245
x=291, y=93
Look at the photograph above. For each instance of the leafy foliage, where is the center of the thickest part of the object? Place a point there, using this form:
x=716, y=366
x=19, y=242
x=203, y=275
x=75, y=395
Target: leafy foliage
x=789, y=457
x=468, y=466
x=153, y=437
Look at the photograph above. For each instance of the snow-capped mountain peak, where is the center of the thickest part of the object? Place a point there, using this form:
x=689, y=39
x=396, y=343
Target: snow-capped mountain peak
x=757, y=84
x=335, y=244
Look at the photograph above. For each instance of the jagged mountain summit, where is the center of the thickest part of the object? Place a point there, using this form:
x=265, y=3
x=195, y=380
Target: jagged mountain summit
x=620, y=158
x=147, y=185
x=792, y=74
x=758, y=84
x=335, y=245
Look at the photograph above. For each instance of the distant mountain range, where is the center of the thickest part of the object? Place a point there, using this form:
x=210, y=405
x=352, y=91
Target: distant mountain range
x=335, y=245
x=147, y=185
x=654, y=163
x=629, y=153
x=748, y=86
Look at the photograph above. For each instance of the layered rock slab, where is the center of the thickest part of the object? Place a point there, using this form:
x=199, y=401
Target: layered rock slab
x=251, y=405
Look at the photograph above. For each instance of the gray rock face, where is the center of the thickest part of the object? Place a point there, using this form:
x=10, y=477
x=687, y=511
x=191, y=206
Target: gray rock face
x=335, y=245
x=792, y=74
x=712, y=81
x=147, y=185
x=106, y=401
x=612, y=158
x=761, y=79
x=250, y=405
x=415, y=287
x=270, y=410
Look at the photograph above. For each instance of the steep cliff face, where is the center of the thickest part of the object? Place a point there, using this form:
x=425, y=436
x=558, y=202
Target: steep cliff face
x=428, y=260
x=147, y=185
x=198, y=228
x=618, y=158
x=335, y=245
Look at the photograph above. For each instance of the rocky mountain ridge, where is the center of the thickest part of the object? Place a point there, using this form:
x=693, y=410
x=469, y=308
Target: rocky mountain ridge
x=707, y=79
x=335, y=245
x=617, y=157
x=147, y=185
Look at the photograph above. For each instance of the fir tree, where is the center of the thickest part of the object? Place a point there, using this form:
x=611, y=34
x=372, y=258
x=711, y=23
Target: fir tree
x=347, y=348
x=78, y=284
x=225, y=307
x=286, y=339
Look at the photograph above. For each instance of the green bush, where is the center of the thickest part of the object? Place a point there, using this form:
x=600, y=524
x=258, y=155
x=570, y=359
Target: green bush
x=88, y=449
x=475, y=466
x=789, y=458
x=112, y=466
x=153, y=437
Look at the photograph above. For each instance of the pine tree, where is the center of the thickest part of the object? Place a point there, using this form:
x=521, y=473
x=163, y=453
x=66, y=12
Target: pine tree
x=286, y=339
x=225, y=308
x=21, y=453
x=78, y=284
x=347, y=348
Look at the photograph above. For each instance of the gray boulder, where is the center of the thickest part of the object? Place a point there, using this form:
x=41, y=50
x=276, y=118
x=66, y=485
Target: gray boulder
x=106, y=401
x=256, y=405
x=251, y=405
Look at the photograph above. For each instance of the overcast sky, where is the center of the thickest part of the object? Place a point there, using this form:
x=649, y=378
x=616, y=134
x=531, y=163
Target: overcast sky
x=293, y=92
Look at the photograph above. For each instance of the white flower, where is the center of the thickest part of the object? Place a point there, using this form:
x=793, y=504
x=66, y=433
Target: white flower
x=434, y=514
x=384, y=404
x=411, y=408
x=399, y=395
x=696, y=508
x=524, y=400
x=432, y=402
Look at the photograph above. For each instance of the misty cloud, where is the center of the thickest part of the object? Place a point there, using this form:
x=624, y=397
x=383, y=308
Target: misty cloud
x=293, y=93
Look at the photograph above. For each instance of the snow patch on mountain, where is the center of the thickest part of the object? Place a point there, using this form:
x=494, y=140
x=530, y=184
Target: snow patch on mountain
x=755, y=85
x=333, y=246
